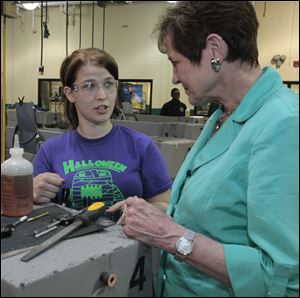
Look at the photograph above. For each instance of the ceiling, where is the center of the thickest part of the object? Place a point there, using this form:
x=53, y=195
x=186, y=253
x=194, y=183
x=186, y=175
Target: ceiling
x=58, y=3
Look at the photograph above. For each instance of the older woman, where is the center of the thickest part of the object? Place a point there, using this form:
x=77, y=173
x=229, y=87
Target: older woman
x=232, y=222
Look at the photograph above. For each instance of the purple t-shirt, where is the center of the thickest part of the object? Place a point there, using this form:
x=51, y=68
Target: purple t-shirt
x=121, y=164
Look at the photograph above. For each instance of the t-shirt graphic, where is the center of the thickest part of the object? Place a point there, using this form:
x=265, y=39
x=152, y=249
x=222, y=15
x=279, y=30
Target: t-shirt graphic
x=121, y=164
x=91, y=185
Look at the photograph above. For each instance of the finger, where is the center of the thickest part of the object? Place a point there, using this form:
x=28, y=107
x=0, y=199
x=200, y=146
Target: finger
x=117, y=206
x=51, y=188
x=119, y=222
x=54, y=179
x=130, y=200
x=122, y=219
x=47, y=194
x=42, y=200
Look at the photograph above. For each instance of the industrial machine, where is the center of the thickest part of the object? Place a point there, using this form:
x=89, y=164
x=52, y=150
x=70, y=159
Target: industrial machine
x=174, y=151
x=174, y=136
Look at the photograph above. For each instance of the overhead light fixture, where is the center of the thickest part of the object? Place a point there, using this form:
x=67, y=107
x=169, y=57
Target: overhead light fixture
x=30, y=5
x=171, y=1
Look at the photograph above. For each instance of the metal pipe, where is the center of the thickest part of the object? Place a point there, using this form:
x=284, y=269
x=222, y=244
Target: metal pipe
x=3, y=90
x=55, y=3
x=59, y=3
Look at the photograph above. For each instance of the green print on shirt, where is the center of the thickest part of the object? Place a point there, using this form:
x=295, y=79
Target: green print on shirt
x=93, y=185
x=90, y=185
x=69, y=166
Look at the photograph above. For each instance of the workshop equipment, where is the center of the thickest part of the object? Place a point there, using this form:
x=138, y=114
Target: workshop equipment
x=174, y=151
x=38, y=234
x=92, y=213
x=16, y=183
x=22, y=237
x=8, y=229
x=27, y=129
x=64, y=220
x=37, y=216
x=106, y=264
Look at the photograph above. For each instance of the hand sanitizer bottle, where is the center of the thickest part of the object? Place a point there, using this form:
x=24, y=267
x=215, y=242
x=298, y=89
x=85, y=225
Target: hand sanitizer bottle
x=16, y=183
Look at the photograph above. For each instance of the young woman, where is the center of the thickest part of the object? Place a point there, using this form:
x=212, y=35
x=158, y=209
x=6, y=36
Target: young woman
x=97, y=161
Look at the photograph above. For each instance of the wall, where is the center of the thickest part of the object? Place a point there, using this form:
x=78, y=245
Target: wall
x=279, y=34
x=128, y=38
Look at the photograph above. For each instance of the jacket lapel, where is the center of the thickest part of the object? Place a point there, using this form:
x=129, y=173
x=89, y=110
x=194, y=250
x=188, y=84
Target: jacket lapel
x=218, y=144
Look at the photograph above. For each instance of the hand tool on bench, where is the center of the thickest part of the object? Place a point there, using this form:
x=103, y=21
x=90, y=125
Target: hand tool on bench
x=92, y=213
x=8, y=229
x=38, y=216
x=64, y=220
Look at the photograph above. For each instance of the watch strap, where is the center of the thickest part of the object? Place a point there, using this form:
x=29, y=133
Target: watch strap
x=190, y=235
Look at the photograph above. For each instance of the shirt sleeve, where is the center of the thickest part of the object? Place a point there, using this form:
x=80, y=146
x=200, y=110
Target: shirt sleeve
x=42, y=164
x=270, y=266
x=155, y=177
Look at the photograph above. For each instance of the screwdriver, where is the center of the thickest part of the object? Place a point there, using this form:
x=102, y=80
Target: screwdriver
x=92, y=213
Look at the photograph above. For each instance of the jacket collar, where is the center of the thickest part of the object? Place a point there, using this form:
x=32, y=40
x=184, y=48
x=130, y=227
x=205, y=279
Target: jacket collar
x=268, y=83
x=211, y=148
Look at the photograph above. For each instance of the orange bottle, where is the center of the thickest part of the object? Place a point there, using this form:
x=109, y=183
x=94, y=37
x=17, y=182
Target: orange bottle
x=16, y=183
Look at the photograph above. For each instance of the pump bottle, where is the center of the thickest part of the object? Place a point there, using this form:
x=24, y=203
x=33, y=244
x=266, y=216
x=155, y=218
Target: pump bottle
x=16, y=183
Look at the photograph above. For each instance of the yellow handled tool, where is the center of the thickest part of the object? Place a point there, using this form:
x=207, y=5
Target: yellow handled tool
x=92, y=213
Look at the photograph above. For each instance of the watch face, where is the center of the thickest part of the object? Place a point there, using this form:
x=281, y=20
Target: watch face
x=184, y=246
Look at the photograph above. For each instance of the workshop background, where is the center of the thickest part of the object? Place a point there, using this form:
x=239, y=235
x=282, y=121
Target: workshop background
x=33, y=45
x=124, y=30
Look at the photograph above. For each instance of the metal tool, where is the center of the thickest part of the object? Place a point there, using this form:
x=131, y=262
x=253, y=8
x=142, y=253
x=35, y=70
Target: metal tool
x=8, y=229
x=65, y=220
x=37, y=234
x=38, y=216
x=92, y=213
x=12, y=253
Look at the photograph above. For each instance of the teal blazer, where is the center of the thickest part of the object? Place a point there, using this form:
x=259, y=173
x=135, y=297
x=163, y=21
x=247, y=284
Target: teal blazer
x=243, y=192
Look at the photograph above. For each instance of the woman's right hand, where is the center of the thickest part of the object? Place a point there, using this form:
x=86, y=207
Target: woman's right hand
x=45, y=187
x=118, y=206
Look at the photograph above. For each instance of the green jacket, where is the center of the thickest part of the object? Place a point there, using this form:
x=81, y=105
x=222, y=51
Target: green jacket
x=244, y=193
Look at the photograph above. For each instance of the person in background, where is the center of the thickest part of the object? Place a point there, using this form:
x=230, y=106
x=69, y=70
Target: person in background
x=174, y=107
x=232, y=225
x=96, y=160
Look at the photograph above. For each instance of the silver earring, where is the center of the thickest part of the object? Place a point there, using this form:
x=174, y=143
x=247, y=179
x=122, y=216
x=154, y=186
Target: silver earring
x=216, y=64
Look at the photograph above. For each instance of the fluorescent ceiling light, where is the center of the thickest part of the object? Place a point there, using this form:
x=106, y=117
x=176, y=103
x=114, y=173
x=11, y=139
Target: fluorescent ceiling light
x=172, y=1
x=30, y=6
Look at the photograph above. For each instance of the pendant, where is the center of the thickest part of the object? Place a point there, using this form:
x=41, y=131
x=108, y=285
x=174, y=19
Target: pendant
x=218, y=126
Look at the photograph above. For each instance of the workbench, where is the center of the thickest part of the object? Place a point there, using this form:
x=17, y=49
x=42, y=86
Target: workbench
x=77, y=267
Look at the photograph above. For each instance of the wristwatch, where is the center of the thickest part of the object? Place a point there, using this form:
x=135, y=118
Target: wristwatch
x=184, y=245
